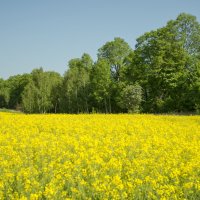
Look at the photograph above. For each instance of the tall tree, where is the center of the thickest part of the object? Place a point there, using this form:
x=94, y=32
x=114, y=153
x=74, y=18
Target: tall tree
x=29, y=98
x=100, y=81
x=42, y=85
x=187, y=30
x=4, y=94
x=55, y=94
x=16, y=86
x=75, y=85
x=115, y=53
x=158, y=66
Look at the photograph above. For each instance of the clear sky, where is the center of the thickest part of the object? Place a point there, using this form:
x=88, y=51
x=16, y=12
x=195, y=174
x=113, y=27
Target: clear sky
x=48, y=33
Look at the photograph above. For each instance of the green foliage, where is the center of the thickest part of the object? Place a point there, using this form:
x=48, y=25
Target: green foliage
x=4, y=94
x=161, y=75
x=29, y=98
x=163, y=66
x=131, y=98
x=75, y=88
x=186, y=29
x=100, y=83
x=115, y=53
x=40, y=94
x=16, y=86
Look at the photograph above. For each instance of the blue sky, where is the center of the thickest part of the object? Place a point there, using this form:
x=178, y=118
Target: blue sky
x=48, y=33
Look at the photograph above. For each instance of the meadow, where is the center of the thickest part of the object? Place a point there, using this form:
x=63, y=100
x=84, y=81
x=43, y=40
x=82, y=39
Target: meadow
x=99, y=156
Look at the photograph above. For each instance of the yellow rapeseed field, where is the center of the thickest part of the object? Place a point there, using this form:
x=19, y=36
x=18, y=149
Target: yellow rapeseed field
x=99, y=157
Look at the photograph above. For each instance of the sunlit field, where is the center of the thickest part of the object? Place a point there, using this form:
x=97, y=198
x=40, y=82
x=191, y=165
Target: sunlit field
x=99, y=157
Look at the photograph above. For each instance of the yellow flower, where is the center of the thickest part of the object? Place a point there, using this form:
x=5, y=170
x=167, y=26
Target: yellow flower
x=99, y=156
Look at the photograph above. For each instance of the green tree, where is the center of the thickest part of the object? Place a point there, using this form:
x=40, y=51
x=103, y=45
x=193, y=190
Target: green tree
x=115, y=53
x=16, y=85
x=38, y=96
x=159, y=67
x=100, y=81
x=42, y=93
x=4, y=94
x=55, y=94
x=75, y=89
x=165, y=63
x=29, y=98
x=187, y=30
x=131, y=98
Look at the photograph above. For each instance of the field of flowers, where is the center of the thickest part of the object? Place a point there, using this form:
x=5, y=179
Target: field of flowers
x=99, y=157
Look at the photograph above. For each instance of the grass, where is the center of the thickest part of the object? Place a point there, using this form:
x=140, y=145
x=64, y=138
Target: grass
x=9, y=110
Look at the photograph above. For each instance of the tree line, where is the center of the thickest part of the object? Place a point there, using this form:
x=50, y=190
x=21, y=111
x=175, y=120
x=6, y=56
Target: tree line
x=161, y=75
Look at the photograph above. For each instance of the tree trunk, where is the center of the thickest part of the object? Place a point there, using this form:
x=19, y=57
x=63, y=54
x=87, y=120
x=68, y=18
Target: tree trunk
x=105, y=103
x=110, y=110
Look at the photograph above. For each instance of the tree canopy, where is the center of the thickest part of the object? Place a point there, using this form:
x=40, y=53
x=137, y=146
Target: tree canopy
x=160, y=75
